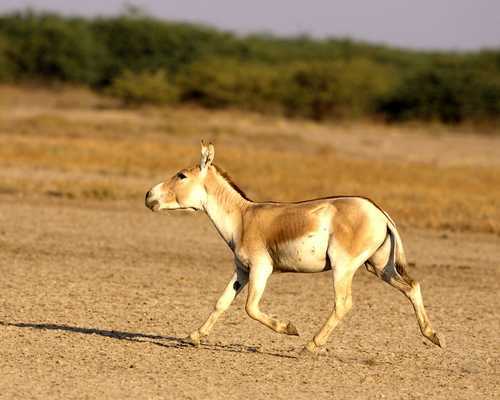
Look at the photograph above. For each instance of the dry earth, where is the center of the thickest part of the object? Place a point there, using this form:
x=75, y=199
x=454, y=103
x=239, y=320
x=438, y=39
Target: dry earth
x=96, y=298
x=97, y=293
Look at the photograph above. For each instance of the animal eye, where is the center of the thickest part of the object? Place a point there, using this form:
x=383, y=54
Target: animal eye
x=180, y=175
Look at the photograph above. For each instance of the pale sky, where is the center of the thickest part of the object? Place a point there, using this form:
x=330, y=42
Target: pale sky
x=429, y=24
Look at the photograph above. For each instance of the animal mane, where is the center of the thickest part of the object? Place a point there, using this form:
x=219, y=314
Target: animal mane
x=230, y=181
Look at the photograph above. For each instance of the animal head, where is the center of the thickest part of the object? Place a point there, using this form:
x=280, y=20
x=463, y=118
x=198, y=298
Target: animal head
x=185, y=190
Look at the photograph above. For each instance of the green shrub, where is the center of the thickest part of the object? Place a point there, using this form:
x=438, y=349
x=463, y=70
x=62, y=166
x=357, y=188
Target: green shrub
x=140, y=43
x=7, y=68
x=449, y=94
x=54, y=48
x=326, y=90
x=219, y=83
x=318, y=90
x=135, y=88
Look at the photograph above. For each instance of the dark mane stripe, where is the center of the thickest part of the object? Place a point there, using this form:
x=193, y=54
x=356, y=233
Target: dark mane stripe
x=229, y=180
x=333, y=198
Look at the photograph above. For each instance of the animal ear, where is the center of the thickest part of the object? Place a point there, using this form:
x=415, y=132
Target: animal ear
x=207, y=154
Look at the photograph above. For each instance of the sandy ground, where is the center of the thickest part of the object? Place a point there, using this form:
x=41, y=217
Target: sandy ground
x=95, y=299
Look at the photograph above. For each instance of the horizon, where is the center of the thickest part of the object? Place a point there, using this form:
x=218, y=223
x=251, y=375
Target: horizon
x=461, y=27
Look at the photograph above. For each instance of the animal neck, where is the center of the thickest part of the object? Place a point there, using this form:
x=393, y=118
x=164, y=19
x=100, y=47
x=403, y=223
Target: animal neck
x=224, y=206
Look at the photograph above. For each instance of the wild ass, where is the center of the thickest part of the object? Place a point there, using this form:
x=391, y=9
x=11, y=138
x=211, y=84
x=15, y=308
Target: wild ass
x=335, y=233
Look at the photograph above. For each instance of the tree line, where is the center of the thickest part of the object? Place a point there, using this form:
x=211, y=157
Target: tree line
x=140, y=59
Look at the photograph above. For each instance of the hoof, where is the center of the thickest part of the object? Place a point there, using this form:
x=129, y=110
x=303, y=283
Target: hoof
x=312, y=351
x=194, y=339
x=305, y=354
x=438, y=340
x=291, y=330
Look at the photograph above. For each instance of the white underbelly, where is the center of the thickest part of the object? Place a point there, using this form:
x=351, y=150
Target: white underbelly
x=306, y=254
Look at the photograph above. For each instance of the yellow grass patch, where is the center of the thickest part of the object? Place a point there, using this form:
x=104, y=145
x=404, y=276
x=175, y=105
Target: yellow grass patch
x=71, y=143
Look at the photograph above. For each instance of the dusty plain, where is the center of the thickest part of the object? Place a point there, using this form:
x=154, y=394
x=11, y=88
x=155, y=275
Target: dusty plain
x=97, y=293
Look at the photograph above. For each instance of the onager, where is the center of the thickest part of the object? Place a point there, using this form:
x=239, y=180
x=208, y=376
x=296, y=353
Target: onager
x=336, y=233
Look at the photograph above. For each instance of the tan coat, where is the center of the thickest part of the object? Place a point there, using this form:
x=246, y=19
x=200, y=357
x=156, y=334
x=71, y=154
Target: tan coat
x=336, y=233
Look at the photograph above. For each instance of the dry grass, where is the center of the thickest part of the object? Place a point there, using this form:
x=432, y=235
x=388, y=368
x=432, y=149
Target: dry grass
x=71, y=143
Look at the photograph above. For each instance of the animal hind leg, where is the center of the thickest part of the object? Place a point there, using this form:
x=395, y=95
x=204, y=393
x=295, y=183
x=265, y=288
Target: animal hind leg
x=411, y=289
x=395, y=275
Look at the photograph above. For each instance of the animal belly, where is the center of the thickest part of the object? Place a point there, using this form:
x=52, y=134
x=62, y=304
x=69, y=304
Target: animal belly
x=302, y=255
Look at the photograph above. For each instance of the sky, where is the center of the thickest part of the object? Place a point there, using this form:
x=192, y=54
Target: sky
x=420, y=24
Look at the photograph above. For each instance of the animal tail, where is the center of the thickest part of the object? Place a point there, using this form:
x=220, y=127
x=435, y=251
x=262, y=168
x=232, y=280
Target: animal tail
x=397, y=258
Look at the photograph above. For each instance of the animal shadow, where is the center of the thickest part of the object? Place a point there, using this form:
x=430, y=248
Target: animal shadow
x=158, y=340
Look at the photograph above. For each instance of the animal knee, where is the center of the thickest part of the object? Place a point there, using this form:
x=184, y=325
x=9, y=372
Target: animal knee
x=347, y=305
x=342, y=309
x=220, y=306
x=252, y=311
x=223, y=303
x=414, y=292
x=340, y=312
x=415, y=287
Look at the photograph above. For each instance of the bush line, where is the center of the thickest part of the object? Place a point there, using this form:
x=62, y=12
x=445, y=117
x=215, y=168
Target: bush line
x=140, y=60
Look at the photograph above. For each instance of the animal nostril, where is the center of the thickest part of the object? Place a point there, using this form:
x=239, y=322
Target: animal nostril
x=147, y=195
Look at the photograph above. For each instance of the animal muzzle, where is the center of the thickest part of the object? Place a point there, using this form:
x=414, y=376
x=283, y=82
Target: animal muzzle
x=151, y=203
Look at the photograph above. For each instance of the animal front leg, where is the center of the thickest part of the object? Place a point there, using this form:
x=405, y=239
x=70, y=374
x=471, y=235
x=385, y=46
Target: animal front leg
x=235, y=285
x=259, y=274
